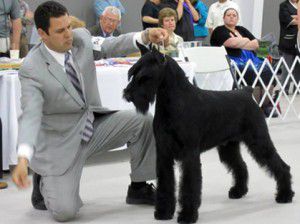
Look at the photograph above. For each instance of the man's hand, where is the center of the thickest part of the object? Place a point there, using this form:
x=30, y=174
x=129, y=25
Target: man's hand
x=20, y=174
x=156, y=36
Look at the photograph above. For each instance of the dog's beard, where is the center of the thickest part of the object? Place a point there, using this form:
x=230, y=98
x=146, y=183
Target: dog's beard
x=141, y=105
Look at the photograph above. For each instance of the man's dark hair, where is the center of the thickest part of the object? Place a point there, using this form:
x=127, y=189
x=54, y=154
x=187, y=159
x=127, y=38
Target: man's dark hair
x=45, y=11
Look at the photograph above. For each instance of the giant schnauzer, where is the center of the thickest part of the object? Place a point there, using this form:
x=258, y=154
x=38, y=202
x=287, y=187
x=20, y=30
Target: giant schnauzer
x=189, y=121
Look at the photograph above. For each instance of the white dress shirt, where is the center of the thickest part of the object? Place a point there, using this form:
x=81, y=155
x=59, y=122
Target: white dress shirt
x=216, y=13
x=25, y=150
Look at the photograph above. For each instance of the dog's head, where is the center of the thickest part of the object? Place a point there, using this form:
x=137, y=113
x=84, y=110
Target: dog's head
x=144, y=78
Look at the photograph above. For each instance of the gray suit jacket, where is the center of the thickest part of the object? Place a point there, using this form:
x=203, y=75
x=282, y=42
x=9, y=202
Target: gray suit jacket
x=54, y=115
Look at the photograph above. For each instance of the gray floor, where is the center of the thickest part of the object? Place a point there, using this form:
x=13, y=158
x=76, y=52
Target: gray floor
x=104, y=185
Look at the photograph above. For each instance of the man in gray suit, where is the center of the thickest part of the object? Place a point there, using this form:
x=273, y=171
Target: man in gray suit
x=63, y=122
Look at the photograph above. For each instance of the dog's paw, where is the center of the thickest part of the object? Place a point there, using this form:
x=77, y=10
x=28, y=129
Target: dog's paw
x=237, y=192
x=185, y=217
x=163, y=215
x=285, y=196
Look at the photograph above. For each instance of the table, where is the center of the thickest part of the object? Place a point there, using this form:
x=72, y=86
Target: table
x=111, y=82
x=10, y=110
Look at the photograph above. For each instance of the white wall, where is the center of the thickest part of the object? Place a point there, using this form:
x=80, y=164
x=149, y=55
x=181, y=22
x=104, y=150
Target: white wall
x=252, y=15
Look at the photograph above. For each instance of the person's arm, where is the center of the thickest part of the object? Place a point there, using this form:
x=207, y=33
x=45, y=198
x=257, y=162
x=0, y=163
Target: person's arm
x=194, y=12
x=243, y=40
x=15, y=16
x=149, y=19
x=147, y=14
x=29, y=125
x=203, y=12
x=179, y=9
x=295, y=20
x=236, y=42
x=16, y=33
x=252, y=45
x=241, y=43
x=125, y=43
x=285, y=18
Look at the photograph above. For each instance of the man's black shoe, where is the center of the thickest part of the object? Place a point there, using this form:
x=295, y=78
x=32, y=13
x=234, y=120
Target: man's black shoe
x=143, y=195
x=37, y=198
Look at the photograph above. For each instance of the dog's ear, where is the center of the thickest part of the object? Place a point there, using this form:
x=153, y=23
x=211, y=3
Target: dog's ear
x=160, y=58
x=142, y=48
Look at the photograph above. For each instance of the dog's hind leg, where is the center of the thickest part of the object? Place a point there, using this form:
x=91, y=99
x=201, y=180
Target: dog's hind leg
x=165, y=194
x=264, y=152
x=231, y=157
x=190, y=188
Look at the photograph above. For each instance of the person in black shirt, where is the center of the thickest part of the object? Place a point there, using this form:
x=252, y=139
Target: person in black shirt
x=240, y=45
x=150, y=13
x=288, y=40
x=187, y=14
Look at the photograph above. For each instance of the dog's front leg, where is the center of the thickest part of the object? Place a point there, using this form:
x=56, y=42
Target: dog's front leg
x=165, y=194
x=190, y=188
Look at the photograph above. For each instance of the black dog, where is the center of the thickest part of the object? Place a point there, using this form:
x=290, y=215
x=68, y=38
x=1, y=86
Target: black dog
x=189, y=121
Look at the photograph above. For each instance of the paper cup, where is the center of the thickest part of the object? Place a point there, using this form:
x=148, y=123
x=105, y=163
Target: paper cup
x=14, y=54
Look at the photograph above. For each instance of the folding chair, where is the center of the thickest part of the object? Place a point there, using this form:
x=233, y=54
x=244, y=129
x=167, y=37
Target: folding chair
x=213, y=70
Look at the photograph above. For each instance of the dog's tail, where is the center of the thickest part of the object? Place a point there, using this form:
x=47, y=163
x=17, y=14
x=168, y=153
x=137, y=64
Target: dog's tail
x=248, y=89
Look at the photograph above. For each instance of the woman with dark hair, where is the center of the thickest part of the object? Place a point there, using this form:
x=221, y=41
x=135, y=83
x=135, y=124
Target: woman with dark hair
x=187, y=15
x=150, y=12
x=240, y=45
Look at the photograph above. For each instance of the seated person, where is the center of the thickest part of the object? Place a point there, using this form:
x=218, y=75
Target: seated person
x=108, y=23
x=240, y=45
x=167, y=19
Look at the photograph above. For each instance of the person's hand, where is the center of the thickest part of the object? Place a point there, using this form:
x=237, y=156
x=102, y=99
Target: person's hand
x=20, y=174
x=157, y=36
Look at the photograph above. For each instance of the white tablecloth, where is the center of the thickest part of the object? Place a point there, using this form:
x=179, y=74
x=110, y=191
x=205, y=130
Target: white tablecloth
x=10, y=110
x=111, y=82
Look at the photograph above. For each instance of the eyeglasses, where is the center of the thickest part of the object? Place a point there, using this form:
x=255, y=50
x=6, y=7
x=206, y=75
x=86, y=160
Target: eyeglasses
x=110, y=20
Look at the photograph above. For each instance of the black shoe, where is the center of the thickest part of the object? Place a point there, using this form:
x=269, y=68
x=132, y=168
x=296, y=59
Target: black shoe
x=144, y=195
x=37, y=198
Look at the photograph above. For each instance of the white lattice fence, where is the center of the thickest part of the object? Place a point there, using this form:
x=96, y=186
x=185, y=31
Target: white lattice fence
x=286, y=105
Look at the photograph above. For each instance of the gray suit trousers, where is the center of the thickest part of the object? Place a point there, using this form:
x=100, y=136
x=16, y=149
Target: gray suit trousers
x=61, y=193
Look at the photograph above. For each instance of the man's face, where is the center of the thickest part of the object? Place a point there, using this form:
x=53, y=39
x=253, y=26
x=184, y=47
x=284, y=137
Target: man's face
x=109, y=22
x=60, y=36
